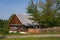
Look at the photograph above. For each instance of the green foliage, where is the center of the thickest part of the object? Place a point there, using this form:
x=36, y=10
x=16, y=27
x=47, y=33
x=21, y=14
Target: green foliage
x=45, y=13
x=3, y=26
x=33, y=10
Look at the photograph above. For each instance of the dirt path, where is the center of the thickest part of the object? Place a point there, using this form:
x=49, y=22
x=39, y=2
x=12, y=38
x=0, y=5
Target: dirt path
x=32, y=36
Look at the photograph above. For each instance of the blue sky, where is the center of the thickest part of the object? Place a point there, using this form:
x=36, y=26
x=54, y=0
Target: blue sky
x=9, y=7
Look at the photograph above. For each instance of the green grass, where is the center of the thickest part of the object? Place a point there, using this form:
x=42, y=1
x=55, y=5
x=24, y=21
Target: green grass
x=34, y=38
x=18, y=34
x=50, y=32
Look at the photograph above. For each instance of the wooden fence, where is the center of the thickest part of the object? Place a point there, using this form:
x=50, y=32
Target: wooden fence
x=54, y=29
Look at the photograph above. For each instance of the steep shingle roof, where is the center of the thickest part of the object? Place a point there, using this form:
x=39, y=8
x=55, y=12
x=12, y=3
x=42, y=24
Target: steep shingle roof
x=25, y=20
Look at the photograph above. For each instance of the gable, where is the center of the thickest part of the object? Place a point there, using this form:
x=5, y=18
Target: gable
x=15, y=20
x=22, y=19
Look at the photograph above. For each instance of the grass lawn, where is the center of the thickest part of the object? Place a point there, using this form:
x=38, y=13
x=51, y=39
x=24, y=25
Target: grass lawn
x=50, y=32
x=34, y=38
x=18, y=34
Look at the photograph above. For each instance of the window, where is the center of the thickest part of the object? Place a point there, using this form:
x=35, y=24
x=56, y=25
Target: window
x=15, y=28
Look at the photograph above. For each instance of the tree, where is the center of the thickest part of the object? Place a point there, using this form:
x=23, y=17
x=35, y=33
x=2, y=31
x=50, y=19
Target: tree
x=3, y=26
x=32, y=9
x=45, y=13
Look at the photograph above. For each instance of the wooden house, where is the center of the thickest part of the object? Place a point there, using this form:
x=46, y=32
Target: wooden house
x=23, y=23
